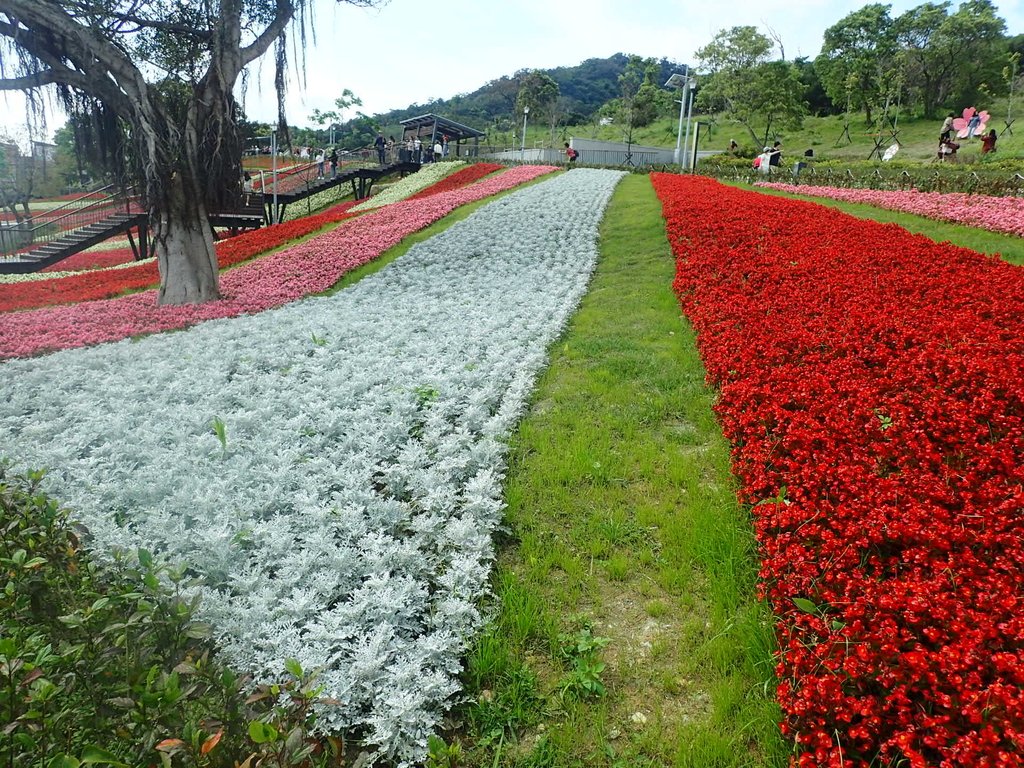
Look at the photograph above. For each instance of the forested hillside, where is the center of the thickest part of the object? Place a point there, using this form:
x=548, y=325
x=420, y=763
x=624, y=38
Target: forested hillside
x=584, y=88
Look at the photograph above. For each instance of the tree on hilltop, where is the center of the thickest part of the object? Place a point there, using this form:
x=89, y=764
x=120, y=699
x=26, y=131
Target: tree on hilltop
x=739, y=79
x=538, y=92
x=156, y=77
x=858, y=58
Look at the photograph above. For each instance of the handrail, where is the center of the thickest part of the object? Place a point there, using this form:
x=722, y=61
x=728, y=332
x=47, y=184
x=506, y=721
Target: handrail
x=22, y=238
x=74, y=203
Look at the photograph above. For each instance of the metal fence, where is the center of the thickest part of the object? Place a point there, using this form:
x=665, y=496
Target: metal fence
x=925, y=179
x=47, y=226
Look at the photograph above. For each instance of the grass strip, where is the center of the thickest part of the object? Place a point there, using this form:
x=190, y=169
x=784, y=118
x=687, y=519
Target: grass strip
x=1007, y=247
x=626, y=630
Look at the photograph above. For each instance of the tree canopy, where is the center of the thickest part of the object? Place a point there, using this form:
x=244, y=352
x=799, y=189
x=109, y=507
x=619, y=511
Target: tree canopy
x=928, y=56
x=156, y=79
x=763, y=95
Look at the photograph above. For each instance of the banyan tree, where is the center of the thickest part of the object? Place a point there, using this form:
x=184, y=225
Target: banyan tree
x=155, y=79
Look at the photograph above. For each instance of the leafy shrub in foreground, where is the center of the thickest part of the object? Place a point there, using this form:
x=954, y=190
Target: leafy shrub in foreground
x=108, y=666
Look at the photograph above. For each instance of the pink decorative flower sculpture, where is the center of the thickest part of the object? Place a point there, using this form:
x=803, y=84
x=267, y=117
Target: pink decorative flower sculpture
x=962, y=125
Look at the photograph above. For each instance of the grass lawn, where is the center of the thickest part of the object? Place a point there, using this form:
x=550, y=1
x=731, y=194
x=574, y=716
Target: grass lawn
x=825, y=135
x=626, y=633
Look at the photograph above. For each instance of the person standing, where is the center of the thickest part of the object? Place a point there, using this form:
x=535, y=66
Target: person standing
x=334, y=162
x=417, y=150
x=947, y=128
x=380, y=145
x=972, y=125
x=988, y=142
x=320, y=157
x=808, y=158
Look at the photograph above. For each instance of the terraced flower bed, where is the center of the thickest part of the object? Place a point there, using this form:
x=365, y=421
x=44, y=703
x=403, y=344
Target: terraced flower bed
x=871, y=386
x=331, y=469
x=268, y=282
x=997, y=214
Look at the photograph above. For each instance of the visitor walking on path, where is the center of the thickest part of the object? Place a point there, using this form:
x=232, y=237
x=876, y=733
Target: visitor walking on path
x=380, y=145
x=320, y=164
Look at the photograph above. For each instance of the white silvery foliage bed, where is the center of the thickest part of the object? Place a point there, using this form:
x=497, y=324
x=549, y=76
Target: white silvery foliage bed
x=348, y=522
x=411, y=184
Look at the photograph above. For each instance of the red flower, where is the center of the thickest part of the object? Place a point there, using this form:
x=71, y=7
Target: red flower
x=871, y=386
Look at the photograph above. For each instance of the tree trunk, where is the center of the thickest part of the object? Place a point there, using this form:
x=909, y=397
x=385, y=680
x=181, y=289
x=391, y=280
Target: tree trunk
x=184, y=248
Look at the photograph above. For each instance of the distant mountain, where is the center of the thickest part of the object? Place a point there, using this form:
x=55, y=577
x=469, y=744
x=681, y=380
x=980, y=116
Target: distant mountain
x=586, y=88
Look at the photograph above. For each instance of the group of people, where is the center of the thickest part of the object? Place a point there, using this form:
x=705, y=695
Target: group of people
x=948, y=148
x=322, y=158
x=769, y=159
x=412, y=150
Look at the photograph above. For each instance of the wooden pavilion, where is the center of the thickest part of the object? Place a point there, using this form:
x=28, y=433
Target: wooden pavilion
x=429, y=128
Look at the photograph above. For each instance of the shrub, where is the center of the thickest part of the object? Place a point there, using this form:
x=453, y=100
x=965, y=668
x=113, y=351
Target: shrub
x=106, y=664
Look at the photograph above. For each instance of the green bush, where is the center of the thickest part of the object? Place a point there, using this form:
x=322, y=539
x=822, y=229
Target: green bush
x=980, y=175
x=108, y=666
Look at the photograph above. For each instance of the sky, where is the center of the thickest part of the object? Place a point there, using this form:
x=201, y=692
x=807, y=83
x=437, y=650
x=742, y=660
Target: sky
x=406, y=52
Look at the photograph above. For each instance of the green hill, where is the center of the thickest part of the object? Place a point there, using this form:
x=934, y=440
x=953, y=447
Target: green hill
x=585, y=87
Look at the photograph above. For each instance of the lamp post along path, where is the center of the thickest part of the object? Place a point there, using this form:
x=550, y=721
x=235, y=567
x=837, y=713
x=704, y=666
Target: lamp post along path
x=689, y=116
x=522, y=147
x=684, y=82
x=273, y=172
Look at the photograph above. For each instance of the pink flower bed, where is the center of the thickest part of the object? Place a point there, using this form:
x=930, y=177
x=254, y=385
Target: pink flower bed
x=996, y=214
x=309, y=267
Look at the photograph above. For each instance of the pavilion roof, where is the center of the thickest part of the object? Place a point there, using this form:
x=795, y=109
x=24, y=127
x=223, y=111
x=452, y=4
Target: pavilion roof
x=455, y=131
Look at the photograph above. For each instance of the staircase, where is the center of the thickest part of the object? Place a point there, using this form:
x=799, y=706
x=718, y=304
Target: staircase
x=71, y=243
x=71, y=229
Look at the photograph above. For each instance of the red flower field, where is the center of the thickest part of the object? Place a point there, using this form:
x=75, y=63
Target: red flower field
x=871, y=386
x=101, y=284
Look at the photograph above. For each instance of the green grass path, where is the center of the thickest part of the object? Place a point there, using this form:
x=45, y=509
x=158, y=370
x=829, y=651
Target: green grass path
x=624, y=530
x=1007, y=247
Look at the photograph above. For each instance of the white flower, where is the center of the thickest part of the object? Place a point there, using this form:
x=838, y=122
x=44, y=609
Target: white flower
x=347, y=519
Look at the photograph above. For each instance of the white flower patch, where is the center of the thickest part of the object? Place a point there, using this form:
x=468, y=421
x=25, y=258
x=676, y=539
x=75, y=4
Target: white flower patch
x=315, y=202
x=346, y=521
x=113, y=244
x=411, y=184
x=31, y=277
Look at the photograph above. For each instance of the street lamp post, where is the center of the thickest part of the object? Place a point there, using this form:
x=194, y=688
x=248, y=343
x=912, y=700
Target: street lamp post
x=689, y=117
x=685, y=83
x=273, y=172
x=522, y=148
